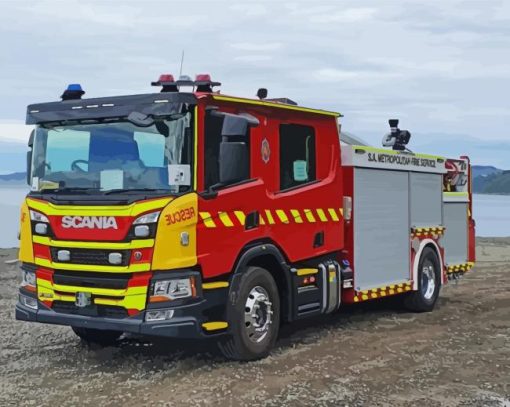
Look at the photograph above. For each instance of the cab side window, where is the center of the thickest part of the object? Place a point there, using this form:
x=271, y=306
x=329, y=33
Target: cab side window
x=213, y=140
x=297, y=155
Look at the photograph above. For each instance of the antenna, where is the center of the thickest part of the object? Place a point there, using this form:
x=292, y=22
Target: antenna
x=182, y=61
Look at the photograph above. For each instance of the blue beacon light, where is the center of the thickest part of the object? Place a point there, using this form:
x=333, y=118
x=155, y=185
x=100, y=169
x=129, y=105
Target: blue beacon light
x=73, y=91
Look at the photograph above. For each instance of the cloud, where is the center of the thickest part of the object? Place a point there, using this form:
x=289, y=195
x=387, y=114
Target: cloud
x=14, y=132
x=250, y=46
x=250, y=10
x=253, y=58
x=435, y=65
x=349, y=15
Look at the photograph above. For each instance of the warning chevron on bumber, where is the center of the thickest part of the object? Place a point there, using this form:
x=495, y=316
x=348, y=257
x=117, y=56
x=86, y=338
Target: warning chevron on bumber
x=272, y=217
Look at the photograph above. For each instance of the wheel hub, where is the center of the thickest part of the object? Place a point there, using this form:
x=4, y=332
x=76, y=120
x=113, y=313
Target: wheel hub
x=428, y=282
x=258, y=314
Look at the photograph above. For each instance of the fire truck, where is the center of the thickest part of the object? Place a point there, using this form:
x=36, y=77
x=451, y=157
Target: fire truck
x=187, y=213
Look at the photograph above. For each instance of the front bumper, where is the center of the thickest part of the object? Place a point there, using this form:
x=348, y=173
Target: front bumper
x=186, y=321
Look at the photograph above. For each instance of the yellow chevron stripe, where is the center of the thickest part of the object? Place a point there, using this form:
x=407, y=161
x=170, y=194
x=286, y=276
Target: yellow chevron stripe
x=297, y=216
x=282, y=215
x=382, y=291
x=309, y=215
x=333, y=215
x=241, y=217
x=207, y=220
x=226, y=219
x=269, y=217
x=322, y=215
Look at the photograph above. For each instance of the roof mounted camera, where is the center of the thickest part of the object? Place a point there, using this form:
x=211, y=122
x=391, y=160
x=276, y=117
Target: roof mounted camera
x=397, y=139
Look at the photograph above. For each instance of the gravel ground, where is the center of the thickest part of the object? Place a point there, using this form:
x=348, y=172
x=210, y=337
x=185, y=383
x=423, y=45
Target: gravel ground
x=369, y=354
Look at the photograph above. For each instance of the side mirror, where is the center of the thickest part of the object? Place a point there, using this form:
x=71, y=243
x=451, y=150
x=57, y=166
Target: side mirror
x=234, y=125
x=234, y=162
x=29, y=157
x=29, y=167
x=140, y=119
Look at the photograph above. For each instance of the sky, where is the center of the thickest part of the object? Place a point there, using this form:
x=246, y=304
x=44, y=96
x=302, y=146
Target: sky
x=441, y=67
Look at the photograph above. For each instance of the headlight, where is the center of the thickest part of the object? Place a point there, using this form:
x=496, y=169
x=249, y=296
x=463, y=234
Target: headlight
x=169, y=290
x=38, y=217
x=28, y=279
x=147, y=218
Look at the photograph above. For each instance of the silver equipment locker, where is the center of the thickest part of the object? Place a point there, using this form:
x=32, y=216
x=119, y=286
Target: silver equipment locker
x=393, y=192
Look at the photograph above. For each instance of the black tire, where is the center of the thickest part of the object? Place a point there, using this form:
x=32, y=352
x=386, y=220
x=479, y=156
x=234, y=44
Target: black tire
x=242, y=342
x=97, y=336
x=425, y=298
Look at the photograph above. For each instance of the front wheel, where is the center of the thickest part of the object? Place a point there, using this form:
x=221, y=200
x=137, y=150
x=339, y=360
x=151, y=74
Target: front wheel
x=254, y=317
x=97, y=336
x=429, y=283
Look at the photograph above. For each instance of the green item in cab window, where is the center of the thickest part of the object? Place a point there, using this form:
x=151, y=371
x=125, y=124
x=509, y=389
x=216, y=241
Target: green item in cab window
x=300, y=171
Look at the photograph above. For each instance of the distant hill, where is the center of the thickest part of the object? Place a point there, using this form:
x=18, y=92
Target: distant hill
x=484, y=170
x=15, y=178
x=497, y=183
x=490, y=180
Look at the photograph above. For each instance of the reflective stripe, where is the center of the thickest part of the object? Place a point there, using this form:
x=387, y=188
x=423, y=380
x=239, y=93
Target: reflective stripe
x=382, y=291
x=216, y=284
x=240, y=216
x=134, y=244
x=306, y=272
x=269, y=217
x=333, y=215
x=282, y=215
x=214, y=326
x=322, y=215
x=309, y=215
x=88, y=267
x=274, y=104
x=226, y=219
x=208, y=221
x=297, y=215
x=134, y=209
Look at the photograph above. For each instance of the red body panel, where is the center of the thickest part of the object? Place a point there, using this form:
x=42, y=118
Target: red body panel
x=219, y=247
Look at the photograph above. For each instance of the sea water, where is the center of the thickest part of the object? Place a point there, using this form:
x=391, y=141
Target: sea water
x=491, y=212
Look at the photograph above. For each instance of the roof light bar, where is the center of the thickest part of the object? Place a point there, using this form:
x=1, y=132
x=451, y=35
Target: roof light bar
x=204, y=83
x=167, y=82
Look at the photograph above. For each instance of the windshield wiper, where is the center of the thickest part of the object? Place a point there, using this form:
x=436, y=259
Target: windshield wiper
x=87, y=190
x=123, y=191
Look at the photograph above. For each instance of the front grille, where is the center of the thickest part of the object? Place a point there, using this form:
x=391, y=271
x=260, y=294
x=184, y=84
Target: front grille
x=91, y=279
x=93, y=257
x=107, y=311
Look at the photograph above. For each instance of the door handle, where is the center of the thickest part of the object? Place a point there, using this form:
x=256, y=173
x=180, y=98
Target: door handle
x=252, y=220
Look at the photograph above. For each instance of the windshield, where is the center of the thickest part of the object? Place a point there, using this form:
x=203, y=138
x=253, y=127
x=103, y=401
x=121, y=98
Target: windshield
x=114, y=156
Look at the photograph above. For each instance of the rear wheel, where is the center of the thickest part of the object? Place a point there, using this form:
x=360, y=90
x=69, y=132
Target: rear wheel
x=97, y=336
x=429, y=283
x=254, y=318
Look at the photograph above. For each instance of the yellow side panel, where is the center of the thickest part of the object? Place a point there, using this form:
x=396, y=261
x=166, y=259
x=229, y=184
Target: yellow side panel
x=177, y=219
x=26, y=253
